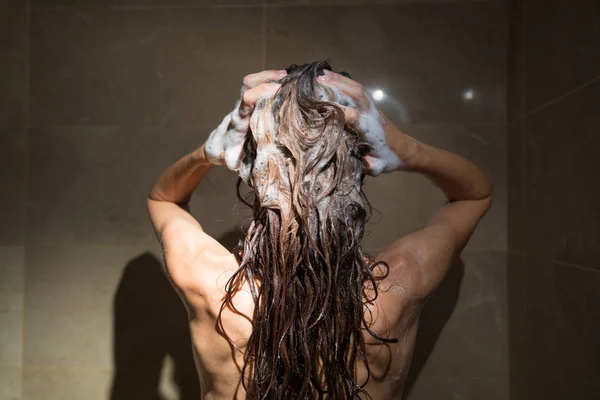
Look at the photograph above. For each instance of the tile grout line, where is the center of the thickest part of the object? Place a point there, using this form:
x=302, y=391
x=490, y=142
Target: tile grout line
x=563, y=96
x=212, y=125
x=570, y=265
x=263, y=4
x=27, y=90
x=523, y=197
x=553, y=261
x=142, y=8
x=523, y=125
x=264, y=36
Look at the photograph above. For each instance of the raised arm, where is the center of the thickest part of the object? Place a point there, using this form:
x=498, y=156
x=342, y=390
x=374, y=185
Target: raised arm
x=180, y=234
x=418, y=261
x=429, y=252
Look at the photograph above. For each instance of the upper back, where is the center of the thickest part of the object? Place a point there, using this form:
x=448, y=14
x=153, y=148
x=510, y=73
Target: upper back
x=219, y=364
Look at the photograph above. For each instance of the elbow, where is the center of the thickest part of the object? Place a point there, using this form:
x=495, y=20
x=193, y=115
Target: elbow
x=486, y=193
x=485, y=190
x=149, y=201
x=155, y=195
x=489, y=186
x=487, y=202
x=487, y=199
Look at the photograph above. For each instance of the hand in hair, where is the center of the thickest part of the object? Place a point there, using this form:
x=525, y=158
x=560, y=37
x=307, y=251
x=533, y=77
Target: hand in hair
x=225, y=144
x=390, y=147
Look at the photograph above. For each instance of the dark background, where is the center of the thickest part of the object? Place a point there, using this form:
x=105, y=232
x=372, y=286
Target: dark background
x=97, y=97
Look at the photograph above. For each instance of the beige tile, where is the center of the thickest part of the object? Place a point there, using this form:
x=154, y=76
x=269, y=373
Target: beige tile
x=143, y=3
x=58, y=383
x=424, y=56
x=563, y=47
x=561, y=333
x=105, y=318
x=99, y=197
x=12, y=273
x=71, y=296
x=13, y=62
x=442, y=388
x=10, y=383
x=218, y=209
x=463, y=328
x=485, y=146
x=146, y=66
x=13, y=175
x=564, y=189
x=406, y=201
x=75, y=383
x=401, y=203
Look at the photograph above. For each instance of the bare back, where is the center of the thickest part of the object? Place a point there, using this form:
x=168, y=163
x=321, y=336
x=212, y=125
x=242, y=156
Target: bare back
x=219, y=365
x=199, y=268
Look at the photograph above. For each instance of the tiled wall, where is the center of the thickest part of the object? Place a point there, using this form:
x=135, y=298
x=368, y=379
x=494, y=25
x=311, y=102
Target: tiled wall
x=98, y=96
x=554, y=198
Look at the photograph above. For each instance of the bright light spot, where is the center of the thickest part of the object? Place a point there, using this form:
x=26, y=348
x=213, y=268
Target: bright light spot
x=378, y=95
x=469, y=94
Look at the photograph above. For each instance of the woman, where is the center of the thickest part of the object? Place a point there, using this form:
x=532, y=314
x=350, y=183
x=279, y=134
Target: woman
x=298, y=311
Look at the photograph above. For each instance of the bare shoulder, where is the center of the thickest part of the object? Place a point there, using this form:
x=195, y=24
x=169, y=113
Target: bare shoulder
x=193, y=260
x=395, y=291
x=418, y=262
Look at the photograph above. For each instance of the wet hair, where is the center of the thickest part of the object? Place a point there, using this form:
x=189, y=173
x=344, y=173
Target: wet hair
x=304, y=167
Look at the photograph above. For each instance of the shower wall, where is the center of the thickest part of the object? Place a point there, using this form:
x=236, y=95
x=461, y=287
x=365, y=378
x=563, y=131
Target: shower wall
x=98, y=96
x=554, y=194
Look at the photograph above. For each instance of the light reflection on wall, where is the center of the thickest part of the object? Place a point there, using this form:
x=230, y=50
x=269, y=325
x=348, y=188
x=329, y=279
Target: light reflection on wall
x=469, y=94
x=378, y=95
x=390, y=105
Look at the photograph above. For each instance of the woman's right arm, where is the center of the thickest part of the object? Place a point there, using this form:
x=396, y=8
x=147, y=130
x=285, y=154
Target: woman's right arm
x=430, y=251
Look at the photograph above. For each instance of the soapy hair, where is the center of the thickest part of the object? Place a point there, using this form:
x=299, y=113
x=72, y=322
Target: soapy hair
x=305, y=170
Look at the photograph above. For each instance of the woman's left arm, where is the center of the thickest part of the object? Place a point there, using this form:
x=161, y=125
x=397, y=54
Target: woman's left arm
x=179, y=233
x=168, y=201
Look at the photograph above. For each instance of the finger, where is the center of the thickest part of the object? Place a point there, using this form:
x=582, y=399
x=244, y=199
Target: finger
x=351, y=114
x=215, y=147
x=346, y=86
x=251, y=96
x=375, y=166
x=240, y=118
x=342, y=78
x=253, y=80
x=367, y=161
x=234, y=154
x=341, y=81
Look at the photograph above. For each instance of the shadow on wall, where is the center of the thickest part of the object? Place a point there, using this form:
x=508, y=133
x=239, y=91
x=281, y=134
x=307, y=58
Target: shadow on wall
x=151, y=323
x=434, y=317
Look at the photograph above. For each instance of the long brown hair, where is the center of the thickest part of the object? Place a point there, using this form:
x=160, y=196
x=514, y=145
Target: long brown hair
x=304, y=167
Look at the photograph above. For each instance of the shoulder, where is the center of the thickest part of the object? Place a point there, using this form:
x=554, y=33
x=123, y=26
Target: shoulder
x=192, y=259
